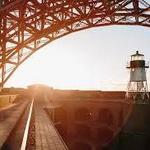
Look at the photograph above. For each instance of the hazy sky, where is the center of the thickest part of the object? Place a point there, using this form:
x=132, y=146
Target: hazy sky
x=90, y=59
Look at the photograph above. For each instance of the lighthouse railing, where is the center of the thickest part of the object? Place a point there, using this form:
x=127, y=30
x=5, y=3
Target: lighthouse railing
x=146, y=64
x=128, y=64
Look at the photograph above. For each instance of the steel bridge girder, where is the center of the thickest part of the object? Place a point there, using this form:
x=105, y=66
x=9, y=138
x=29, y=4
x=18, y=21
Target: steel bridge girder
x=28, y=25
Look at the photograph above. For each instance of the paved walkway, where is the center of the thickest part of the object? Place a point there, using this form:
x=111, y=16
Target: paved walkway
x=8, y=119
x=47, y=138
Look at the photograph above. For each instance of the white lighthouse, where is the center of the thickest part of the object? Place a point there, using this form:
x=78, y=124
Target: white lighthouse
x=137, y=90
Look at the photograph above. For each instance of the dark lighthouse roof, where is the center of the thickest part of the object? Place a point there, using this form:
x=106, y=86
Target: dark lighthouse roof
x=137, y=54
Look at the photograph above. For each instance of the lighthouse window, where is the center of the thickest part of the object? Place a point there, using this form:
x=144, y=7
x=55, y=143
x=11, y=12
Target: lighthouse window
x=137, y=58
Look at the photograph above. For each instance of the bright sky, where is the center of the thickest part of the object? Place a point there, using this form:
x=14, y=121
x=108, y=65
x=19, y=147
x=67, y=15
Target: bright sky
x=90, y=59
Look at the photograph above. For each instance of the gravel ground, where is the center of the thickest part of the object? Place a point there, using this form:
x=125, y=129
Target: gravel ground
x=31, y=136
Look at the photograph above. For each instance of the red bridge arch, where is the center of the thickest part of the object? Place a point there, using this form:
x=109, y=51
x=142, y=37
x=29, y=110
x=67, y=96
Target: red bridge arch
x=28, y=25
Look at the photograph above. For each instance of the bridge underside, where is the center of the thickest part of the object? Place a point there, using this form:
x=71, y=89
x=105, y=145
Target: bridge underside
x=28, y=25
